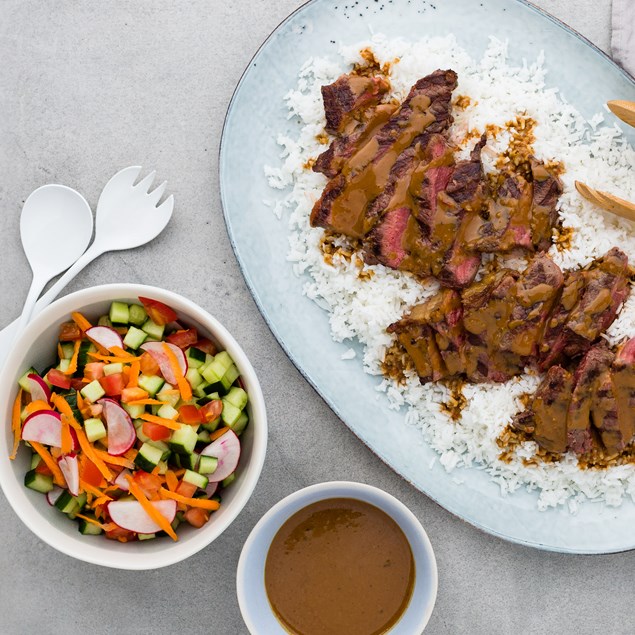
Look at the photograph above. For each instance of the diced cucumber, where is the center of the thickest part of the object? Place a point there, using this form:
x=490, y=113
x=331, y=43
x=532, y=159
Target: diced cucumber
x=134, y=410
x=67, y=350
x=150, y=383
x=153, y=329
x=64, y=365
x=229, y=480
x=138, y=424
x=195, y=479
x=199, y=391
x=119, y=313
x=82, y=357
x=146, y=536
x=230, y=414
x=42, y=483
x=183, y=440
x=178, y=519
x=23, y=381
x=241, y=423
x=80, y=501
x=195, y=357
x=137, y=314
x=67, y=503
x=161, y=445
x=148, y=457
x=36, y=459
x=113, y=369
x=193, y=377
x=93, y=391
x=188, y=461
x=204, y=436
x=135, y=337
x=213, y=372
x=232, y=374
x=167, y=412
x=95, y=429
x=224, y=360
x=237, y=397
x=104, y=320
x=207, y=464
x=88, y=529
x=71, y=400
x=171, y=396
x=163, y=467
x=210, y=426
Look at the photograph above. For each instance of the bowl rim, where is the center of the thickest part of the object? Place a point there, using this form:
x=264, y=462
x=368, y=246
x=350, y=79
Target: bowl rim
x=175, y=551
x=299, y=499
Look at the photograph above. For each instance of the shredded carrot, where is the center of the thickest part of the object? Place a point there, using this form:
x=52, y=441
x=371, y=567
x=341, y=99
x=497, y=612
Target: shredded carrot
x=171, y=481
x=67, y=441
x=135, y=369
x=15, y=423
x=62, y=405
x=218, y=433
x=60, y=352
x=131, y=454
x=183, y=384
x=81, y=321
x=34, y=406
x=146, y=402
x=150, y=509
x=50, y=462
x=113, y=460
x=110, y=359
x=119, y=352
x=179, y=472
x=102, y=500
x=88, y=519
x=89, y=450
x=168, y=423
x=203, y=503
x=156, y=470
x=72, y=367
x=80, y=401
x=87, y=487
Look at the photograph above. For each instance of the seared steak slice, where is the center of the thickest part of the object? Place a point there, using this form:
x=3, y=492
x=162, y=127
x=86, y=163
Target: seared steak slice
x=504, y=224
x=356, y=133
x=386, y=241
x=347, y=95
x=604, y=415
x=597, y=360
x=547, y=189
x=546, y=415
x=605, y=288
x=342, y=208
x=536, y=292
x=420, y=344
x=623, y=374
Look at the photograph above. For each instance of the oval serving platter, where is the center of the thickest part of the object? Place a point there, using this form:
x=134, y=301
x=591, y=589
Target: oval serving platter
x=586, y=77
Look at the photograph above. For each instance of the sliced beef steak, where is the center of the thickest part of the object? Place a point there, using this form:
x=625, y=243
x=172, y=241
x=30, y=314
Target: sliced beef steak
x=594, y=364
x=546, y=415
x=623, y=376
x=343, y=206
x=547, y=189
x=420, y=343
x=604, y=414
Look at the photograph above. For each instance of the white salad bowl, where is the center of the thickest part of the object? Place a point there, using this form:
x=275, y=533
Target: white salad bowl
x=36, y=346
x=250, y=579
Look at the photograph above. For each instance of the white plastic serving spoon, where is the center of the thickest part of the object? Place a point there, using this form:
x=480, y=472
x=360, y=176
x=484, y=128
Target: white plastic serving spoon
x=55, y=227
x=127, y=217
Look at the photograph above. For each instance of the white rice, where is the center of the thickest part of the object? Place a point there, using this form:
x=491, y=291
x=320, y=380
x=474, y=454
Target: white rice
x=593, y=151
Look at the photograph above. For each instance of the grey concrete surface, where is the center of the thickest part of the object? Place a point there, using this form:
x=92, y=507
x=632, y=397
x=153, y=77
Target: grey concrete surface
x=87, y=87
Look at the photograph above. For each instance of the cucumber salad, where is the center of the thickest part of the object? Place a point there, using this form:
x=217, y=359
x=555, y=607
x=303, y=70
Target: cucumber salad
x=136, y=428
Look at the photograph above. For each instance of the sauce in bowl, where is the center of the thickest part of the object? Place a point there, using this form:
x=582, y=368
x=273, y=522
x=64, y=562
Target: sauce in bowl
x=339, y=565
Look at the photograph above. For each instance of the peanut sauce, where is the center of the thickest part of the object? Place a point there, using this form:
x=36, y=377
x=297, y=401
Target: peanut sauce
x=339, y=566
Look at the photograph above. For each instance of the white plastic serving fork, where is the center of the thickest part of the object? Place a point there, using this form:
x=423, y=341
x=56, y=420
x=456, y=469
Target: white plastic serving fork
x=127, y=216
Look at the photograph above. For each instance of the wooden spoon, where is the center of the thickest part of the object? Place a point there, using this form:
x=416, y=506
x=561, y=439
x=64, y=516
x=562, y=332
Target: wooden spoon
x=610, y=203
x=625, y=110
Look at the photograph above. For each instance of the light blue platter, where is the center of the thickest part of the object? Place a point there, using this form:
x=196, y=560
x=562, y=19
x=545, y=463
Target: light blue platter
x=587, y=79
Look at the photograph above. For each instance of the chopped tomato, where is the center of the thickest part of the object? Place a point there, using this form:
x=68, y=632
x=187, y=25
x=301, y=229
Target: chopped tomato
x=207, y=346
x=183, y=339
x=159, y=313
x=190, y=414
x=120, y=534
x=149, y=483
x=133, y=394
x=43, y=468
x=77, y=384
x=113, y=385
x=94, y=370
x=69, y=332
x=156, y=431
x=90, y=474
x=58, y=378
x=212, y=410
x=186, y=489
x=196, y=516
x=147, y=365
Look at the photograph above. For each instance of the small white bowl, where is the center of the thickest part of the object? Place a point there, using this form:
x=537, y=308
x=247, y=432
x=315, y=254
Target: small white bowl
x=36, y=346
x=250, y=579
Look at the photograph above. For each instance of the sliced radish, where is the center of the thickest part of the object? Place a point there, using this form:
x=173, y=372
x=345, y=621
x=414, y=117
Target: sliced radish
x=211, y=488
x=70, y=469
x=157, y=352
x=104, y=336
x=121, y=481
x=39, y=390
x=53, y=495
x=121, y=432
x=43, y=426
x=227, y=450
x=130, y=515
